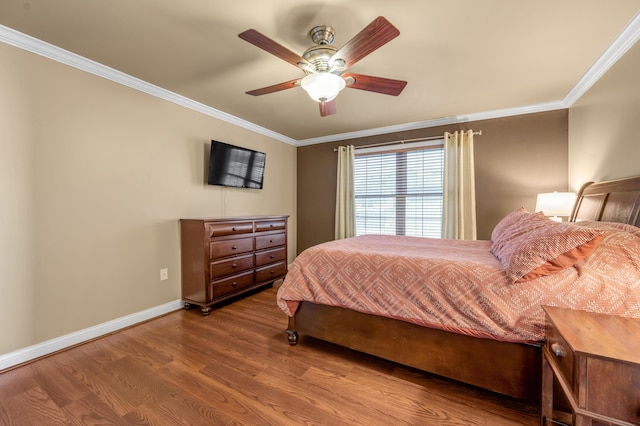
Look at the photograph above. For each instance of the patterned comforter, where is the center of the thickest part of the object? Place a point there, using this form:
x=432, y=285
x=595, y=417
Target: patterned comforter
x=460, y=286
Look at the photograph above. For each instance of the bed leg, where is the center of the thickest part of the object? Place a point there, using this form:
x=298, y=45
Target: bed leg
x=292, y=334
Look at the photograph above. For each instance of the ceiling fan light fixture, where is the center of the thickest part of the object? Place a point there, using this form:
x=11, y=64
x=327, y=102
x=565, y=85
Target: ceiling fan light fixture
x=323, y=87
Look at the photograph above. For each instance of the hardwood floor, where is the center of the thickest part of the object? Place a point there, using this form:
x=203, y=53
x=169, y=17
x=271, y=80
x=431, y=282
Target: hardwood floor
x=235, y=367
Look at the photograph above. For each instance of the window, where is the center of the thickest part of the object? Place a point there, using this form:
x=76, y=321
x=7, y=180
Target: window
x=398, y=190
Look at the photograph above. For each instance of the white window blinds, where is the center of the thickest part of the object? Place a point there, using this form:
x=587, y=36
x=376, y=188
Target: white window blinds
x=399, y=191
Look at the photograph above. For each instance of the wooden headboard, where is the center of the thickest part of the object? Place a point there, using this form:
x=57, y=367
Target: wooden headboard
x=609, y=201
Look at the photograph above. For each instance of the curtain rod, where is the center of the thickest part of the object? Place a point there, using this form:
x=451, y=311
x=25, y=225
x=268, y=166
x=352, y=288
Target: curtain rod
x=403, y=141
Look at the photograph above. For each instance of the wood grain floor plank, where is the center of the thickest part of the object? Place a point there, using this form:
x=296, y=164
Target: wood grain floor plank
x=14, y=382
x=134, y=347
x=89, y=373
x=316, y=396
x=91, y=410
x=177, y=405
x=101, y=351
x=228, y=406
x=34, y=407
x=54, y=379
x=274, y=405
x=378, y=404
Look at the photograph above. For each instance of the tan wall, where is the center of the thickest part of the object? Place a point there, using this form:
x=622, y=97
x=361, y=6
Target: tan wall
x=93, y=179
x=17, y=203
x=516, y=157
x=603, y=139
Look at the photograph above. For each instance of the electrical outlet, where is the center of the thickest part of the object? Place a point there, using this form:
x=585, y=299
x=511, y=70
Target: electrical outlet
x=164, y=274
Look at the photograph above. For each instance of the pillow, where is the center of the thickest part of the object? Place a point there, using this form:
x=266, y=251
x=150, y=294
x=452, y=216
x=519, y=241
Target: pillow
x=610, y=226
x=507, y=222
x=513, y=225
x=535, y=246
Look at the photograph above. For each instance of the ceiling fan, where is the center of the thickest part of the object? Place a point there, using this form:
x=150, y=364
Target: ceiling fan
x=325, y=66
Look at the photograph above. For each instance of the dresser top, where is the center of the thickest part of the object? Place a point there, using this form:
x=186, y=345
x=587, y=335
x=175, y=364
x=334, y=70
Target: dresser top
x=605, y=336
x=234, y=218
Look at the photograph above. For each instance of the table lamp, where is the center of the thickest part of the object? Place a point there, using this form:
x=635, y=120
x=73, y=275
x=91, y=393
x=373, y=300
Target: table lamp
x=556, y=204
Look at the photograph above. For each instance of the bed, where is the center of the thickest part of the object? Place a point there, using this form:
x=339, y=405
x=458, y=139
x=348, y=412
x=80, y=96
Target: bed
x=482, y=343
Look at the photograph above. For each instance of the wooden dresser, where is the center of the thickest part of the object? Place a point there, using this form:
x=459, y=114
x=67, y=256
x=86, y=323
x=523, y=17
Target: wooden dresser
x=595, y=359
x=223, y=258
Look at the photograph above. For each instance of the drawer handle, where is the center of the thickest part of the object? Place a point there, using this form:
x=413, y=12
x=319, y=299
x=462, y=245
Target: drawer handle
x=235, y=265
x=557, y=350
x=273, y=272
x=235, y=284
x=271, y=257
x=271, y=225
x=234, y=248
x=233, y=229
x=270, y=241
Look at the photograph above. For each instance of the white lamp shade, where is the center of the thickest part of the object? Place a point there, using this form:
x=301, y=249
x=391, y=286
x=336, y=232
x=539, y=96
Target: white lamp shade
x=323, y=87
x=556, y=203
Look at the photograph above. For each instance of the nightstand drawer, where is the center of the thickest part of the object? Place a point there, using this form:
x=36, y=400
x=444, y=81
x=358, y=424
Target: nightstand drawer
x=224, y=248
x=560, y=351
x=231, y=266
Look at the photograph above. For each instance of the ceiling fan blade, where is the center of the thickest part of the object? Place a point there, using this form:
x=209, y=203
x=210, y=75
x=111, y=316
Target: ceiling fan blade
x=370, y=83
x=265, y=43
x=376, y=34
x=275, y=88
x=327, y=108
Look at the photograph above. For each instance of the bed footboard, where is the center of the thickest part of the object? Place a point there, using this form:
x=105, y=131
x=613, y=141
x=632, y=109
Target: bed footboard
x=512, y=369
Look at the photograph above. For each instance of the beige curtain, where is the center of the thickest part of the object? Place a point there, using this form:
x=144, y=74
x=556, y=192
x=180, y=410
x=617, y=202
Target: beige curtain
x=459, y=209
x=345, y=199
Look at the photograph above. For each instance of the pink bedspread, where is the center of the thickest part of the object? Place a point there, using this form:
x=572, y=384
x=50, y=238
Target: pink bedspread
x=459, y=286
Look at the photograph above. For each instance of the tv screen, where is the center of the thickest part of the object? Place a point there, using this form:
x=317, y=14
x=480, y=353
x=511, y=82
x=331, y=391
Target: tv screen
x=231, y=165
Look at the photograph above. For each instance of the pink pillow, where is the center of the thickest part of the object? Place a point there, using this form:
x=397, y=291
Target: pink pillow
x=508, y=222
x=534, y=246
x=513, y=225
x=610, y=226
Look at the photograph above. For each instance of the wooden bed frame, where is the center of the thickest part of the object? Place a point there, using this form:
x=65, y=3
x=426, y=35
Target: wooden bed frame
x=512, y=369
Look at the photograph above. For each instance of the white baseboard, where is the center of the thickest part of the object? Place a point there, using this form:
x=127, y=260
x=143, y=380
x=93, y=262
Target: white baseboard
x=50, y=346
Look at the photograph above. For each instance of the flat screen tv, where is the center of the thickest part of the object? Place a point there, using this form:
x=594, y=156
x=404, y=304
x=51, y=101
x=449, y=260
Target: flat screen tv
x=234, y=166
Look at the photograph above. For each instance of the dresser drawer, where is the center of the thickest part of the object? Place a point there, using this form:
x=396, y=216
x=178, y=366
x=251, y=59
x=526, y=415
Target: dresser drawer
x=270, y=256
x=560, y=352
x=224, y=248
x=220, y=229
x=231, y=285
x=271, y=272
x=231, y=266
x=270, y=225
x=271, y=240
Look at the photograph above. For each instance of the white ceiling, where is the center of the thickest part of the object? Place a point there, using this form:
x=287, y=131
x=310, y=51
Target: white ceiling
x=461, y=58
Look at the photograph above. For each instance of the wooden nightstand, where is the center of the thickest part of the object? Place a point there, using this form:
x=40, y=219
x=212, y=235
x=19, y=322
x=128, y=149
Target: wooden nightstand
x=595, y=358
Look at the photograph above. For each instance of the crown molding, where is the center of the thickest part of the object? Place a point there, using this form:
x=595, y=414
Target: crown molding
x=620, y=45
x=47, y=50
x=445, y=121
